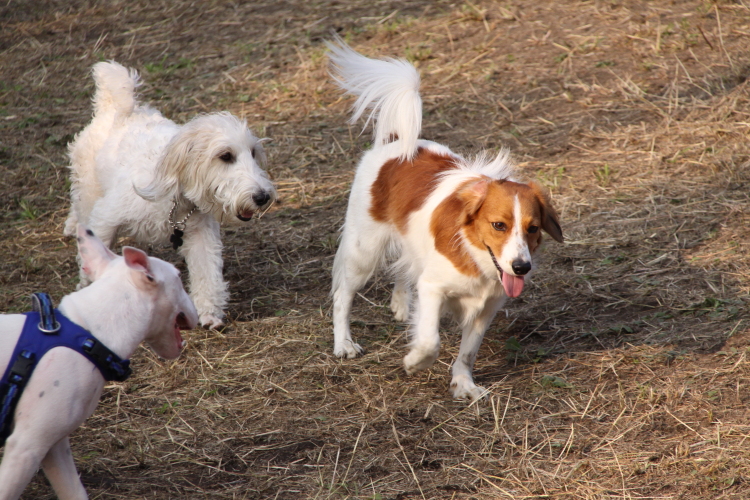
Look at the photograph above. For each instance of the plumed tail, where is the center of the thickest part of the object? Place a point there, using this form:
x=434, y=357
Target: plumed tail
x=115, y=88
x=388, y=88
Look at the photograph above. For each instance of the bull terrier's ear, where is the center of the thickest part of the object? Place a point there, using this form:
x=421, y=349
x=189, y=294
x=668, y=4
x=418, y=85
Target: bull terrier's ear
x=95, y=256
x=137, y=260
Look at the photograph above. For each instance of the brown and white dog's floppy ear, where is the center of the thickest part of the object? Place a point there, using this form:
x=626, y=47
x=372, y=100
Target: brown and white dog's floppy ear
x=473, y=195
x=550, y=220
x=95, y=256
x=137, y=260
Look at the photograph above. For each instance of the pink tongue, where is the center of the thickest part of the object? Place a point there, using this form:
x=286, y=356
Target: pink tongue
x=513, y=285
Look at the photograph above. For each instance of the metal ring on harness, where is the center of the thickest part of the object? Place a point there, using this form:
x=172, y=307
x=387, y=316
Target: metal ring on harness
x=41, y=303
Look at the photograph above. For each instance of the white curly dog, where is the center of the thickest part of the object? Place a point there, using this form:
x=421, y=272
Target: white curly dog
x=135, y=173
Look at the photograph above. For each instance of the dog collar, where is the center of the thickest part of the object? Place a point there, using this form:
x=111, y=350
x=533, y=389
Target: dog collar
x=178, y=228
x=46, y=328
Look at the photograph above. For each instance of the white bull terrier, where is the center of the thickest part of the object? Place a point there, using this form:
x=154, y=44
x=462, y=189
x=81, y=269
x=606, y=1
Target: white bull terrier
x=133, y=298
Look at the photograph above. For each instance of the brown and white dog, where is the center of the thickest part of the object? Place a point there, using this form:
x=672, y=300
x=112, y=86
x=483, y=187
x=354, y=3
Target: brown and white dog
x=463, y=233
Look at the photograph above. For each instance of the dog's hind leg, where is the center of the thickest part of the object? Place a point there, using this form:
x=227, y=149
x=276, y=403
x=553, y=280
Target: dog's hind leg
x=361, y=250
x=61, y=471
x=425, y=343
x=85, y=189
x=401, y=299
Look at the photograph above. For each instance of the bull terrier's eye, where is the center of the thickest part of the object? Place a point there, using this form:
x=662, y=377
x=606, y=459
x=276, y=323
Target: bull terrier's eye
x=227, y=157
x=533, y=229
x=252, y=152
x=499, y=226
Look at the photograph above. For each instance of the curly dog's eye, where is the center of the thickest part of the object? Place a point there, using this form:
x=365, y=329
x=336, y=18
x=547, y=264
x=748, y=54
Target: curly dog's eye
x=227, y=157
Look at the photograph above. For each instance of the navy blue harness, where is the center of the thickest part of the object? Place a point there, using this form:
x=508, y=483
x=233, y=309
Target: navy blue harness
x=46, y=328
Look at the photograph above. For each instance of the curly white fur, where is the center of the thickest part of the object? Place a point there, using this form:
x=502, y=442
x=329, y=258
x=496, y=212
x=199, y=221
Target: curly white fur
x=130, y=164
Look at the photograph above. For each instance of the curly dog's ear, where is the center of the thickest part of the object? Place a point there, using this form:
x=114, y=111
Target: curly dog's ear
x=166, y=180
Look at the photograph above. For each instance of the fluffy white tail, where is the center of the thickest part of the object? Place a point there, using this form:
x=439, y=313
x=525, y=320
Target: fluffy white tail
x=115, y=88
x=388, y=88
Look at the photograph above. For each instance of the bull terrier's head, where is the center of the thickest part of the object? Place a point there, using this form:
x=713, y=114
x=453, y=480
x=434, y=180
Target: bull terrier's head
x=158, y=288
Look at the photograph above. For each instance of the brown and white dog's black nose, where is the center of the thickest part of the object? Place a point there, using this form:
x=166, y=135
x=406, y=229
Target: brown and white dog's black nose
x=261, y=198
x=521, y=267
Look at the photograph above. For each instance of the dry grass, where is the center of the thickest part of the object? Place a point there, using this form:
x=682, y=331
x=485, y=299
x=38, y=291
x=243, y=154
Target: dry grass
x=622, y=372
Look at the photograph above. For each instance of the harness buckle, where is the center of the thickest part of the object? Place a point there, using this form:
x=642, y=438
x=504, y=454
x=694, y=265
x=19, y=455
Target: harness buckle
x=22, y=367
x=119, y=370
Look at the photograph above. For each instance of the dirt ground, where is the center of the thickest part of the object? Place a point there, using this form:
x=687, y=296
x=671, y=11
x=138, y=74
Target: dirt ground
x=622, y=371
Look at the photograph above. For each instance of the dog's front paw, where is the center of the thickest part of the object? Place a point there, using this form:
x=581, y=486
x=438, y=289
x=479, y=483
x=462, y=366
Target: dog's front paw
x=211, y=322
x=348, y=349
x=418, y=359
x=465, y=388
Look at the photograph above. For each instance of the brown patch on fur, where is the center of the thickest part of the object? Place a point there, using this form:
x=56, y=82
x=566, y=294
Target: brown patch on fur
x=445, y=225
x=403, y=186
x=496, y=207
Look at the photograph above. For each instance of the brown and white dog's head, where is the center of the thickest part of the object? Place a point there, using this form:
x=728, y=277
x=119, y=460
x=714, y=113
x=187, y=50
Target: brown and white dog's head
x=504, y=218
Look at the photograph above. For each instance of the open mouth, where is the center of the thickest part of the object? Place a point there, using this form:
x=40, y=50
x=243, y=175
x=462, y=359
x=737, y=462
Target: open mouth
x=180, y=323
x=245, y=215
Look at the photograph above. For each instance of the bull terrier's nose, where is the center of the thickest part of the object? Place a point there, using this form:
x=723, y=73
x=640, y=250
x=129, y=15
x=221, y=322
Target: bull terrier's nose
x=261, y=198
x=521, y=267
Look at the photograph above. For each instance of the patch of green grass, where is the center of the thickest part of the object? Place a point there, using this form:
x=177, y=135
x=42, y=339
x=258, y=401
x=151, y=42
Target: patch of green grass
x=418, y=53
x=551, y=177
x=164, y=68
x=167, y=407
x=517, y=353
x=552, y=382
x=27, y=122
x=603, y=175
x=613, y=259
x=28, y=211
x=715, y=308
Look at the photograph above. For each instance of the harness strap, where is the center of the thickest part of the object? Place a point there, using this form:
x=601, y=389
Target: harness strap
x=45, y=329
x=41, y=303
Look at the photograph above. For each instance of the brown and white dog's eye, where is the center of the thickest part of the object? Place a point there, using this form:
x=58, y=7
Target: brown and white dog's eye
x=499, y=226
x=227, y=157
x=533, y=229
